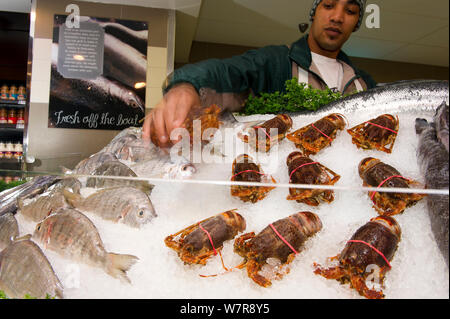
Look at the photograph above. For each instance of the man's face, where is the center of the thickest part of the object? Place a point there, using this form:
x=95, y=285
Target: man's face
x=334, y=22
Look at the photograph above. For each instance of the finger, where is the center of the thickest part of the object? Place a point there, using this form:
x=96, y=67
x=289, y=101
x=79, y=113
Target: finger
x=147, y=126
x=181, y=114
x=169, y=113
x=160, y=127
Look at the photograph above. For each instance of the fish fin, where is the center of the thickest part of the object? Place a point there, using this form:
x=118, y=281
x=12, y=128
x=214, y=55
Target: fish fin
x=20, y=203
x=65, y=170
x=120, y=264
x=24, y=237
x=146, y=187
x=71, y=198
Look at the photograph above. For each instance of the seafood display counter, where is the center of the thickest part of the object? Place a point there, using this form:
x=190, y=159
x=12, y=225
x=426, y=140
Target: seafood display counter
x=347, y=193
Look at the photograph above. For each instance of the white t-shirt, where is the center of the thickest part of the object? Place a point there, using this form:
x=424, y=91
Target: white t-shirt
x=330, y=69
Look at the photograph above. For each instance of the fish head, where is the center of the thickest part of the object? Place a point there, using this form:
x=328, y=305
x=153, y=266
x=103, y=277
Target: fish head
x=134, y=101
x=140, y=215
x=421, y=125
x=39, y=230
x=181, y=170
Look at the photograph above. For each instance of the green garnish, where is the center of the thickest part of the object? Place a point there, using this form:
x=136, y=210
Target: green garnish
x=298, y=97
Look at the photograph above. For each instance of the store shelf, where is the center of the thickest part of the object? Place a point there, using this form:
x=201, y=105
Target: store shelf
x=12, y=104
x=11, y=164
x=10, y=161
x=14, y=127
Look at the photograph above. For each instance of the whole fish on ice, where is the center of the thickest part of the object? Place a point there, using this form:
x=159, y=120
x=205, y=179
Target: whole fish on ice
x=127, y=205
x=420, y=95
x=165, y=166
x=24, y=270
x=433, y=160
x=90, y=164
x=147, y=159
x=71, y=234
x=117, y=168
x=130, y=148
x=396, y=97
x=42, y=206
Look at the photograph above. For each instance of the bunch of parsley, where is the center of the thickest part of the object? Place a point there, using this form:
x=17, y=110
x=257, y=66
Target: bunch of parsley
x=297, y=97
x=4, y=185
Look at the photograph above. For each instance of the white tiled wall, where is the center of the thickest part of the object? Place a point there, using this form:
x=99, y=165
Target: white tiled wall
x=156, y=74
x=40, y=71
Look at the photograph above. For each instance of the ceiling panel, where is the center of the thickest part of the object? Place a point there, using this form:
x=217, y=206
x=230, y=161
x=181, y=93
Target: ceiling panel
x=433, y=8
x=403, y=27
x=439, y=38
x=421, y=54
x=370, y=48
x=242, y=33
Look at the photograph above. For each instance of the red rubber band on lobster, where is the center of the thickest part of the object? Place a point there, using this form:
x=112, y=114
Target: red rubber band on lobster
x=371, y=246
x=210, y=239
x=386, y=128
x=265, y=132
x=215, y=253
x=373, y=193
x=331, y=140
x=246, y=171
x=290, y=175
x=284, y=240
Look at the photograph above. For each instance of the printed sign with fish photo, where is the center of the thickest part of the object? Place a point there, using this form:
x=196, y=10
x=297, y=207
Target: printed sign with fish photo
x=98, y=73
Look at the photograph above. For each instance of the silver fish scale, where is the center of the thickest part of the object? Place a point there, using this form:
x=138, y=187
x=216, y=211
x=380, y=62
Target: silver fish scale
x=24, y=269
x=72, y=234
x=43, y=206
x=405, y=96
x=112, y=203
x=433, y=160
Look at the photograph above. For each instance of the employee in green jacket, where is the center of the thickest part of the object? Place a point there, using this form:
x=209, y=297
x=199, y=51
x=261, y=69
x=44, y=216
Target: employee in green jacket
x=315, y=59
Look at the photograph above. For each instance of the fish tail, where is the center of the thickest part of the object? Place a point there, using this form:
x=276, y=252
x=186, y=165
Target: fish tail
x=20, y=204
x=146, y=187
x=72, y=199
x=119, y=265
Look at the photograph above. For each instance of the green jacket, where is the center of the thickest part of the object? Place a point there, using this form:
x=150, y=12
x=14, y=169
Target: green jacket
x=228, y=82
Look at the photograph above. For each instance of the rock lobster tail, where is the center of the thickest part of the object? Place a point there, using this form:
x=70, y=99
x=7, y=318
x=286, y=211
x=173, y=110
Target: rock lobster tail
x=366, y=164
x=282, y=240
x=310, y=222
x=390, y=223
x=235, y=220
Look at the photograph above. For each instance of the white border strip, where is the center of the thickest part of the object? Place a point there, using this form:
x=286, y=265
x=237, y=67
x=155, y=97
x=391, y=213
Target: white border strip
x=283, y=185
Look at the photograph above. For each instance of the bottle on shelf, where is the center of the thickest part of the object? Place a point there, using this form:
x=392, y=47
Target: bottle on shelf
x=8, y=154
x=2, y=149
x=20, y=116
x=18, y=151
x=21, y=93
x=3, y=115
x=12, y=116
x=4, y=92
x=13, y=93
